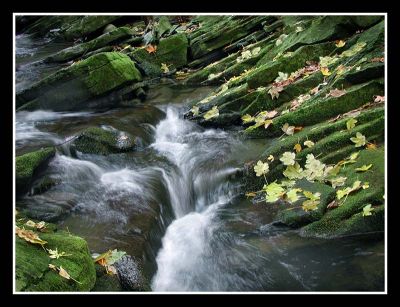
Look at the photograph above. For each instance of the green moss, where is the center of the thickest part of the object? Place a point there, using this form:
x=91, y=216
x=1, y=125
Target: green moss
x=80, y=49
x=86, y=25
x=171, y=51
x=27, y=164
x=96, y=140
x=344, y=219
x=295, y=216
x=31, y=263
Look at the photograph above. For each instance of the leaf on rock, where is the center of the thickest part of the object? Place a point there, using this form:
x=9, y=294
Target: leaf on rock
x=281, y=77
x=297, y=147
x=367, y=210
x=379, y=99
x=64, y=273
x=250, y=194
x=359, y=140
x=299, y=29
x=274, y=192
x=287, y=158
x=294, y=172
x=336, y=93
x=289, y=130
x=310, y=205
x=371, y=146
x=274, y=91
x=214, y=112
x=351, y=123
x=314, y=169
x=261, y=168
x=151, y=49
x=325, y=71
x=54, y=254
x=340, y=43
x=292, y=195
x=195, y=110
x=338, y=181
x=363, y=168
x=164, y=68
x=309, y=143
x=271, y=158
x=29, y=236
x=247, y=118
x=333, y=204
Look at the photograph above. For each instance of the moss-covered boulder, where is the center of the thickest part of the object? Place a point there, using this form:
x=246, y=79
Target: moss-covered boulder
x=171, y=51
x=80, y=49
x=75, y=87
x=86, y=25
x=32, y=262
x=27, y=164
x=348, y=219
x=104, y=141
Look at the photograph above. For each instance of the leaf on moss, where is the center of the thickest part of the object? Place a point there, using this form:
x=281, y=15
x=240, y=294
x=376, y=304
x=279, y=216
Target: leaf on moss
x=337, y=181
x=271, y=158
x=340, y=43
x=292, y=195
x=367, y=210
x=294, y=172
x=195, y=110
x=214, y=112
x=359, y=140
x=289, y=130
x=297, y=147
x=287, y=158
x=309, y=143
x=325, y=71
x=261, y=168
x=247, y=118
x=363, y=168
x=351, y=123
x=29, y=236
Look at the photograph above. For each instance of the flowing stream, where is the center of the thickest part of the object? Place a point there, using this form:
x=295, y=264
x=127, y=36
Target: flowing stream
x=179, y=199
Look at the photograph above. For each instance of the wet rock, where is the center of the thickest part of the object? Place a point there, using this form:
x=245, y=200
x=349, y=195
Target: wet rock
x=108, y=28
x=28, y=164
x=130, y=275
x=76, y=51
x=106, y=282
x=104, y=141
x=171, y=51
x=73, y=87
x=32, y=261
x=43, y=184
x=86, y=25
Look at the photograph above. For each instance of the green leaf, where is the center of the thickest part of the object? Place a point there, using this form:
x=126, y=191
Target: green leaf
x=247, y=118
x=288, y=158
x=292, y=195
x=294, y=171
x=363, y=168
x=310, y=205
x=342, y=193
x=312, y=196
x=255, y=51
x=281, y=77
x=327, y=60
x=195, y=110
x=314, y=168
x=261, y=168
x=359, y=139
x=367, y=210
x=338, y=181
x=115, y=256
x=274, y=192
x=214, y=112
x=351, y=123
x=353, y=50
x=309, y=144
x=289, y=130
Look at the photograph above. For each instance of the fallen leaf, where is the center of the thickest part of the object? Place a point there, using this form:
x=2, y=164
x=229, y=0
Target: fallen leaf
x=340, y=43
x=333, y=204
x=64, y=273
x=267, y=123
x=281, y=77
x=164, y=68
x=359, y=140
x=336, y=93
x=287, y=158
x=338, y=181
x=297, y=147
x=294, y=172
x=111, y=270
x=289, y=130
x=325, y=71
x=247, y=118
x=371, y=146
x=351, y=123
x=299, y=29
x=250, y=194
x=274, y=192
x=309, y=143
x=363, y=168
x=54, y=254
x=378, y=98
x=151, y=49
x=261, y=168
x=53, y=267
x=378, y=60
x=274, y=91
x=195, y=110
x=292, y=195
x=29, y=236
x=271, y=158
x=367, y=210
x=214, y=112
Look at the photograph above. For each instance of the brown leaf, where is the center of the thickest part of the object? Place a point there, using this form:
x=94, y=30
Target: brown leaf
x=371, y=146
x=315, y=90
x=298, y=128
x=294, y=104
x=336, y=92
x=29, y=236
x=333, y=204
x=378, y=60
x=379, y=99
x=53, y=267
x=297, y=147
x=64, y=273
x=151, y=49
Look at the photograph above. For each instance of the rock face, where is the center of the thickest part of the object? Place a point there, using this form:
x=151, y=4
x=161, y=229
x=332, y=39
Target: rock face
x=171, y=51
x=32, y=263
x=71, y=88
x=80, y=49
x=27, y=164
x=130, y=275
x=102, y=141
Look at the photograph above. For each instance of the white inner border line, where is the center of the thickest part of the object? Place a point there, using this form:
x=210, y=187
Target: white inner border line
x=206, y=14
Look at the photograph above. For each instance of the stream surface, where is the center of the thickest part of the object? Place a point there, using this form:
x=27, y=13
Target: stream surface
x=206, y=236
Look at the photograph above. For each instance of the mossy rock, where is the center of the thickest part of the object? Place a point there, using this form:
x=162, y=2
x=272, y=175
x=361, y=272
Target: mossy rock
x=171, y=51
x=96, y=140
x=86, y=25
x=347, y=219
x=80, y=49
x=32, y=263
x=71, y=88
x=27, y=164
x=106, y=282
x=294, y=216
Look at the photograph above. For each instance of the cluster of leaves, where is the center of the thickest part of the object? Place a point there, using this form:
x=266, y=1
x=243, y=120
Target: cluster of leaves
x=247, y=54
x=108, y=258
x=284, y=79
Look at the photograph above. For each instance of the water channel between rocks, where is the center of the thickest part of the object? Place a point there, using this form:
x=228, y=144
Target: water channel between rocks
x=177, y=203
